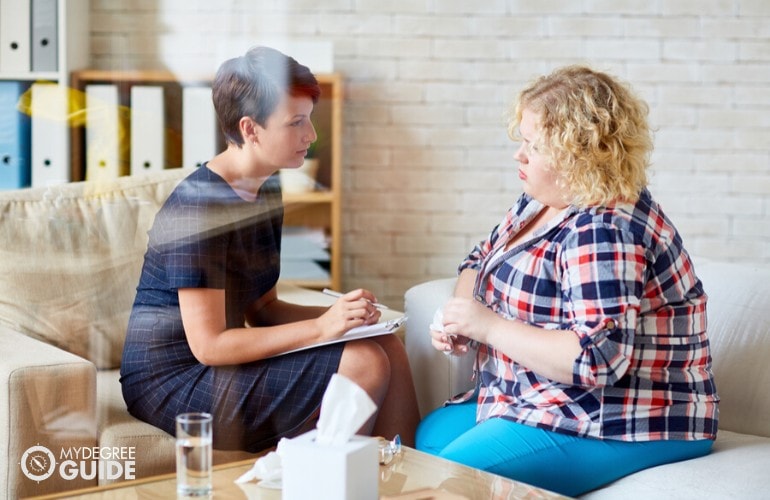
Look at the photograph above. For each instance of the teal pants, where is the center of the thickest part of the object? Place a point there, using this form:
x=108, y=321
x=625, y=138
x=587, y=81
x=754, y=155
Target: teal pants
x=561, y=463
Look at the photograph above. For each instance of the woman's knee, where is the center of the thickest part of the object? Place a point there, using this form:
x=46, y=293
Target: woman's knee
x=443, y=425
x=394, y=348
x=367, y=364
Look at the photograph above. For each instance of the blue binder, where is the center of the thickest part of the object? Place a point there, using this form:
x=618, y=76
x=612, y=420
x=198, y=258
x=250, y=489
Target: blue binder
x=14, y=138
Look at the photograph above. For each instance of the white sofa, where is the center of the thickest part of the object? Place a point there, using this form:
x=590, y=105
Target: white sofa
x=739, y=331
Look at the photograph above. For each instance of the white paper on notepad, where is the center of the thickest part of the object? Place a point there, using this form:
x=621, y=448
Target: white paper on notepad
x=360, y=332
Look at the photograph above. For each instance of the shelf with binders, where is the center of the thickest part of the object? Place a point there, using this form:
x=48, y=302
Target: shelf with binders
x=315, y=209
x=41, y=41
x=107, y=96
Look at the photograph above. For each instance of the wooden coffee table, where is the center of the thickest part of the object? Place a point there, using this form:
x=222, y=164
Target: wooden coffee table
x=412, y=472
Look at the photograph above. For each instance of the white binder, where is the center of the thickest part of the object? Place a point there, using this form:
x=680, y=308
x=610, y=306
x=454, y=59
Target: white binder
x=15, y=51
x=147, y=129
x=105, y=134
x=199, y=126
x=44, y=39
x=50, y=134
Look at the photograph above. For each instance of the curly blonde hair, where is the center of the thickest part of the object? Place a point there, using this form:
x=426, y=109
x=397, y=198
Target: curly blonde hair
x=595, y=131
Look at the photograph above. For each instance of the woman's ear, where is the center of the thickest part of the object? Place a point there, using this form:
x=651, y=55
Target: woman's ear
x=249, y=130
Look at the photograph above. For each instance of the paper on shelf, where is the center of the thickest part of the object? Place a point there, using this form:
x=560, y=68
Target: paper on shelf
x=299, y=248
x=297, y=269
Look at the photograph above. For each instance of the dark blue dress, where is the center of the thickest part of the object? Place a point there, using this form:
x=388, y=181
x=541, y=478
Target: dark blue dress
x=206, y=236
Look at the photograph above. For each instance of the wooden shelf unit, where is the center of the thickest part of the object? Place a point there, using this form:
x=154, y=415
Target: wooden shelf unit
x=320, y=209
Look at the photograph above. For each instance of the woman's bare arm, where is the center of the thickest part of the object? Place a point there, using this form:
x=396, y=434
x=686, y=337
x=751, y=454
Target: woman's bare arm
x=203, y=316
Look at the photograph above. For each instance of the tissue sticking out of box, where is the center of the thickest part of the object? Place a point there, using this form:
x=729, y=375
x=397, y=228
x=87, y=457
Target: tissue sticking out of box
x=345, y=408
x=331, y=462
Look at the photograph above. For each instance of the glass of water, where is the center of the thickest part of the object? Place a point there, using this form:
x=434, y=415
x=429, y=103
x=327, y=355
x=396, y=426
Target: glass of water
x=193, y=454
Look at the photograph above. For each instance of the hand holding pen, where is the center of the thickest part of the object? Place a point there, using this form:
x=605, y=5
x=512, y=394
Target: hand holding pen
x=350, y=310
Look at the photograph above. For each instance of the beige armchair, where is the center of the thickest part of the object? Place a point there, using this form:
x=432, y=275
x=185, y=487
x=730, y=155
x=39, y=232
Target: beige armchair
x=70, y=258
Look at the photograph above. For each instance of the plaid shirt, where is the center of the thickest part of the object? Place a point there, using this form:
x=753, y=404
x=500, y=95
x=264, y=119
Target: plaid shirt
x=619, y=279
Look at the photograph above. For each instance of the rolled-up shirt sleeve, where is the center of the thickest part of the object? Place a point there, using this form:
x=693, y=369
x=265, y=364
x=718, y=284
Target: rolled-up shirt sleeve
x=603, y=276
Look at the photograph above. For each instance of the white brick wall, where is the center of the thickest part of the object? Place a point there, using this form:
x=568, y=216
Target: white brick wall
x=428, y=167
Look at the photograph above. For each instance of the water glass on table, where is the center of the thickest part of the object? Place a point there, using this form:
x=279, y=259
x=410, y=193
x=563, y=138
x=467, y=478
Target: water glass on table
x=193, y=454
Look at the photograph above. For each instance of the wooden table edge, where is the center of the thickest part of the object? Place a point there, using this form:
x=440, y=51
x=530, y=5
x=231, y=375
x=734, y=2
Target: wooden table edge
x=138, y=482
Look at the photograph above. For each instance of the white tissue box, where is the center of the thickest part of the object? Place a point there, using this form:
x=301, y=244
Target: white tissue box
x=345, y=472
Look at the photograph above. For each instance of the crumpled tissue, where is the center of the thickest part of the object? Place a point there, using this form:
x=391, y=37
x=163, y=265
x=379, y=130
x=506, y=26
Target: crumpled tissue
x=267, y=469
x=437, y=324
x=438, y=321
x=345, y=407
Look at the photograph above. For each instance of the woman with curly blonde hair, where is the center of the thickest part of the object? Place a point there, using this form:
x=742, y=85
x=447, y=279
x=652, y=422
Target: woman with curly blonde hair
x=583, y=307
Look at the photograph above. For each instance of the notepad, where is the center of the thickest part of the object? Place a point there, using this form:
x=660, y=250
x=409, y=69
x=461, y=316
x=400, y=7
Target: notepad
x=360, y=332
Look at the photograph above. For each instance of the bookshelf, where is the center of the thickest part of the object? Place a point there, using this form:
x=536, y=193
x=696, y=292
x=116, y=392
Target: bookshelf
x=69, y=41
x=41, y=42
x=318, y=210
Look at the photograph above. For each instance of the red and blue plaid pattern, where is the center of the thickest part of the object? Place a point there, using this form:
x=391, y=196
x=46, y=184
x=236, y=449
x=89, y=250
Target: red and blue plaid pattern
x=619, y=278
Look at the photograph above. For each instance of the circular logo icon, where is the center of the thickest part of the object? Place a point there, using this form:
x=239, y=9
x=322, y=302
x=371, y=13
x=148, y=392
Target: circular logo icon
x=38, y=463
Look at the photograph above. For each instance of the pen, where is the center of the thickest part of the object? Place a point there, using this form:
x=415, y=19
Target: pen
x=338, y=295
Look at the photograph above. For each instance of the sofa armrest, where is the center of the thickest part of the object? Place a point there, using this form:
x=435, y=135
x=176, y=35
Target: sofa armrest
x=47, y=398
x=437, y=377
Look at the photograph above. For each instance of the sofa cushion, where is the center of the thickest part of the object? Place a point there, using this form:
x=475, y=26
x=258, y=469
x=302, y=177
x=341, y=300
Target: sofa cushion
x=735, y=468
x=70, y=260
x=154, y=449
x=739, y=332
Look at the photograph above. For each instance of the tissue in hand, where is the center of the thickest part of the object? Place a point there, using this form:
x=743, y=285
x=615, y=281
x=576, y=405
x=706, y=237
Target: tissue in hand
x=438, y=321
x=331, y=461
x=438, y=325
